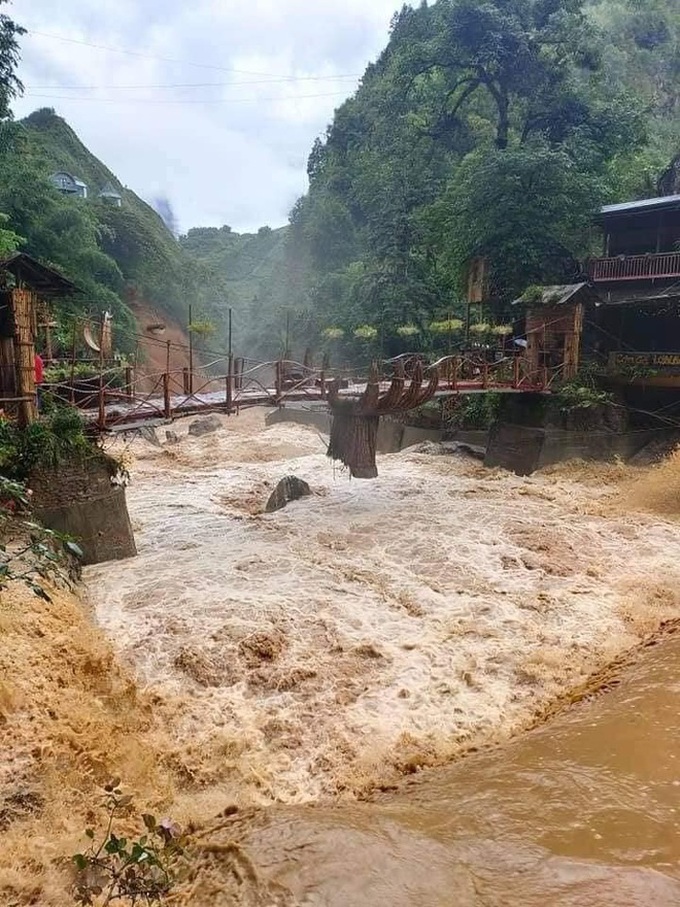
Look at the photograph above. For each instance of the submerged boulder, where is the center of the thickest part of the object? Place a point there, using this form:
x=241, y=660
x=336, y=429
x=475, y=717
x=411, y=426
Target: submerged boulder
x=290, y=488
x=204, y=426
x=171, y=437
x=148, y=434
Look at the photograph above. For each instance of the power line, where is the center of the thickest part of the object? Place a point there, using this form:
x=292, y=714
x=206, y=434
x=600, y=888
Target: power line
x=284, y=79
x=134, y=53
x=156, y=102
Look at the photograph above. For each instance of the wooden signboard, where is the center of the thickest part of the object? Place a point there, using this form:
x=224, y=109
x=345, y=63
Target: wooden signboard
x=669, y=363
x=477, y=280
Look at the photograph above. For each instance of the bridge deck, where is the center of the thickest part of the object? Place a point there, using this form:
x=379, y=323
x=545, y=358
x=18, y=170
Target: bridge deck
x=120, y=414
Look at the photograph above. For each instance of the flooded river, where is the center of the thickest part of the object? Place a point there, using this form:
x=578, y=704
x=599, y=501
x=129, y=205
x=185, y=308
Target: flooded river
x=381, y=629
x=582, y=812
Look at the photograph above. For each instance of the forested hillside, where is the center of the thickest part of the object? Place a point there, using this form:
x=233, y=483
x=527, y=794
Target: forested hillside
x=252, y=266
x=488, y=128
x=115, y=254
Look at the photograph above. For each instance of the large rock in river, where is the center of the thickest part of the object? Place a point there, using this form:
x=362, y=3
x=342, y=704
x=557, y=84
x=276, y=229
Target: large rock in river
x=204, y=426
x=290, y=488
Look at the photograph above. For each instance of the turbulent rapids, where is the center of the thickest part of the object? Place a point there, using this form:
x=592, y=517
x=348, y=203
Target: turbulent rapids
x=370, y=629
x=334, y=650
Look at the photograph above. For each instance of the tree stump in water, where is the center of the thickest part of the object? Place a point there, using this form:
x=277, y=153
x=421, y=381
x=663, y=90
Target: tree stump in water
x=353, y=442
x=354, y=427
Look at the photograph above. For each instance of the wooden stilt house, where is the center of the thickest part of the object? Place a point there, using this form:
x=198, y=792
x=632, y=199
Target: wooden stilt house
x=25, y=286
x=554, y=320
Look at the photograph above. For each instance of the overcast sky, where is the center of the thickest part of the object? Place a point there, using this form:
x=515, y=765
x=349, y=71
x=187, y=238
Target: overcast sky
x=215, y=103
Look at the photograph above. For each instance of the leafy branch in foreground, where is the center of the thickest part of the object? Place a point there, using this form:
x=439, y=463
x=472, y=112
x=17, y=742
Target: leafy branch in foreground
x=140, y=870
x=28, y=551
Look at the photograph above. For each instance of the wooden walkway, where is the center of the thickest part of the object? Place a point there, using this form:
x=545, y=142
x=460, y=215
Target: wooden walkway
x=119, y=416
x=173, y=395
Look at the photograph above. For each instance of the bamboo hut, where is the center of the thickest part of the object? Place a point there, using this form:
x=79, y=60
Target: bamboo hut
x=25, y=285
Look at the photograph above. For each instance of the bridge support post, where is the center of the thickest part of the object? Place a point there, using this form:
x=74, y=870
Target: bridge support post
x=130, y=382
x=185, y=380
x=167, y=407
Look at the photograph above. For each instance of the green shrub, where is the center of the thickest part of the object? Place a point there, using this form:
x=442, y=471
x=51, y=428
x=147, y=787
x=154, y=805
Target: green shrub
x=574, y=395
x=29, y=553
x=137, y=870
x=532, y=295
x=55, y=438
x=474, y=411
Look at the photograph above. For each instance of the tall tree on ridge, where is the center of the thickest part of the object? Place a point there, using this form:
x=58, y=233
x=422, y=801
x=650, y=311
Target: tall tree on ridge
x=10, y=85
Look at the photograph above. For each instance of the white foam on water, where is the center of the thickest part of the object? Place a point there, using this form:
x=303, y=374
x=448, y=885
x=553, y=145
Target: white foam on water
x=375, y=626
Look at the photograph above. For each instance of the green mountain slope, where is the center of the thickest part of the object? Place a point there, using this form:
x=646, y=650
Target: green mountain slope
x=54, y=142
x=117, y=255
x=133, y=254
x=486, y=128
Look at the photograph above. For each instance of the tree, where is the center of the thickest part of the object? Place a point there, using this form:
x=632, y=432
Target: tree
x=516, y=54
x=10, y=86
x=9, y=240
x=527, y=210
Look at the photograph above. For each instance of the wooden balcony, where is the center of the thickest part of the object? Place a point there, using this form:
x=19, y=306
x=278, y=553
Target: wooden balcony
x=635, y=267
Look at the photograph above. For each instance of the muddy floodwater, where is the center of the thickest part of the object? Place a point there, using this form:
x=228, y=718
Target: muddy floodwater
x=368, y=635
x=583, y=812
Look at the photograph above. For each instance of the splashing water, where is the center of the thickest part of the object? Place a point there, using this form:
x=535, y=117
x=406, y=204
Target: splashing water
x=372, y=628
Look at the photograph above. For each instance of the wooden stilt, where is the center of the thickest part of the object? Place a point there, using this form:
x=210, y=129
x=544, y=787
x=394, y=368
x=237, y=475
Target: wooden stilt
x=24, y=303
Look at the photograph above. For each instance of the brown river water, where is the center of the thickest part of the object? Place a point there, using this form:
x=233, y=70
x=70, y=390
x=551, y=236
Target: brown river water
x=366, y=637
x=582, y=812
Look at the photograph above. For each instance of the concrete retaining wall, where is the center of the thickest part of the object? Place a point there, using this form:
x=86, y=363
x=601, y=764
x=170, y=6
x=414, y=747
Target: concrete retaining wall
x=523, y=449
x=473, y=437
x=516, y=447
x=393, y=436
x=78, y=499
x=315, y=418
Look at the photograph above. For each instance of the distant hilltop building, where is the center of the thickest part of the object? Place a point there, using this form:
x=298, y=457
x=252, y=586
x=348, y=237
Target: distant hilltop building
x=69, y=184
x=111, y=196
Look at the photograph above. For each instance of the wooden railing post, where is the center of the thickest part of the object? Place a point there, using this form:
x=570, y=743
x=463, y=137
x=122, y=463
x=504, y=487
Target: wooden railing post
x=130, y=382
x=101, y=418
x=73, y=363
x=230, y=377
x=185, y=380
x=485, y=374
x=515, y=372
x=167, y=406
x=279, y=379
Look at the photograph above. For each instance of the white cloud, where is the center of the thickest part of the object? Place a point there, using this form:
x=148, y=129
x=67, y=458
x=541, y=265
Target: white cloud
x=232, y=152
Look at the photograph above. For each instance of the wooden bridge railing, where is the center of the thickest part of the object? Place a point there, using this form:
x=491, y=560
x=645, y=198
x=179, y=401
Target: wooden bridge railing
x=250, y=382
x=635, y=267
